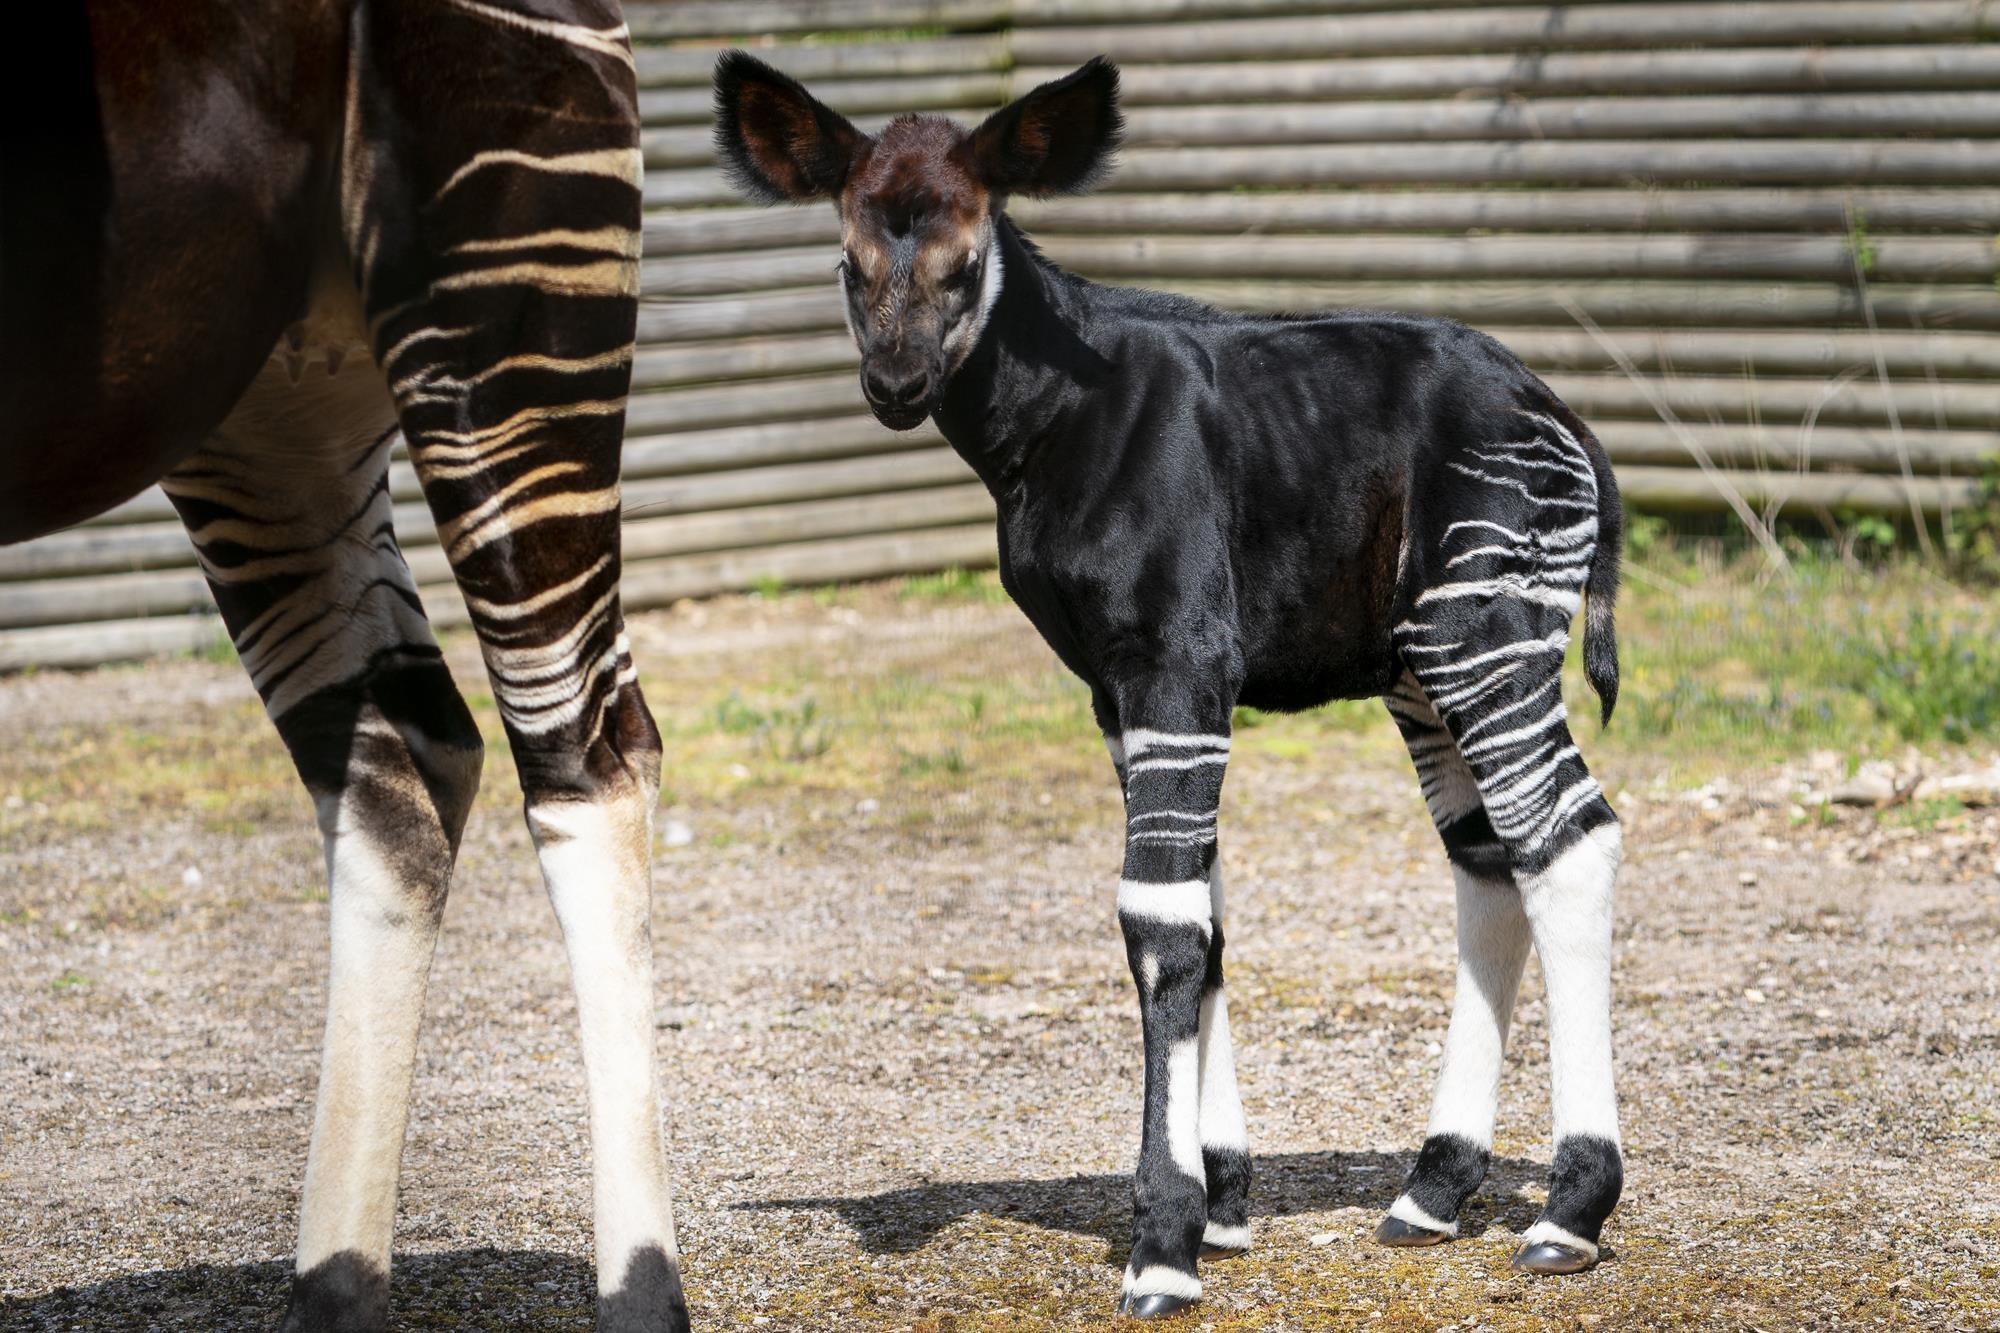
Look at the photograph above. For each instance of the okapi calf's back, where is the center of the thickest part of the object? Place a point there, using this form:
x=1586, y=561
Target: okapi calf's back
x=1199, y=509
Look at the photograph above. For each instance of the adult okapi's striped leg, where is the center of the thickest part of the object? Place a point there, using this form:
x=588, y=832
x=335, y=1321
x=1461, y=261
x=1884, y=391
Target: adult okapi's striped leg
x=1492, y=949
x=1173, y=789
x=1225, y=1151
x=492, y=207
x=288, y=506
x=1484, y=639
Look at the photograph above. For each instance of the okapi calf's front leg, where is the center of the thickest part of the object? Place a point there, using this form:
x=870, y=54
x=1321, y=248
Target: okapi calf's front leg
x=1173, y=789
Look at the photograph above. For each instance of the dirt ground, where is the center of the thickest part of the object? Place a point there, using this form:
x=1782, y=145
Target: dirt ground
x=900, y=1044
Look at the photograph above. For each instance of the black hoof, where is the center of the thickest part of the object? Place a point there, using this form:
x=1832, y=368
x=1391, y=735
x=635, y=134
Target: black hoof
x=1395, y=1231
x=1156, y=1306
x=1216, y=1252
x=1550, y=1257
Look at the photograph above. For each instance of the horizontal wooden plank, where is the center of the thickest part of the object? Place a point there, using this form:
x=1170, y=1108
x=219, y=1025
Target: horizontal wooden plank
x=663, y=582
x=1510, y=116
x=1686, y=490
x=808, y=309
x=653, y=20
x=830, y=62
x=1613, y=302
x=1863, y=402
x=648, y=582
x=1152, y=261
x=1666, y=162
x=1920, y=356
x=71, y=646
x=868, y=103
x=1675, y=68
x=685, y=364
x=739, y=404
x=1513, y=27
x=1929, y=453
x=718, y=230
x=1817, y=162
x=1143, y=258
x=1485, y=120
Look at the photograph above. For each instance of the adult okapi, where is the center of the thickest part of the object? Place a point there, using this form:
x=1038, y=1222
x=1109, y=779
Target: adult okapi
x=1199, y=509
x=243, y=245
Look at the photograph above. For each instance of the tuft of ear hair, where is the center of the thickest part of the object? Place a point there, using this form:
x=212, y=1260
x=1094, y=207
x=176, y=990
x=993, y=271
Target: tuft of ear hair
x=778, y=143
x=1058, y=139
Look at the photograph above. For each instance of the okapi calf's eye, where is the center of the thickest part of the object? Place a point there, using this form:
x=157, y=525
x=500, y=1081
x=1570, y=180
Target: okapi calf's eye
x=1201, y=509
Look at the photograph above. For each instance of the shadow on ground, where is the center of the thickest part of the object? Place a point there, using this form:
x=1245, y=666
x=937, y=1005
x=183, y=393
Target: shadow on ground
x=483, y=1288
x=903, y=1220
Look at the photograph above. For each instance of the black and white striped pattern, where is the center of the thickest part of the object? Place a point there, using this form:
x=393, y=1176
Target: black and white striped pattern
x=1533, y=844
x=494, y=244
x=1193, y=1179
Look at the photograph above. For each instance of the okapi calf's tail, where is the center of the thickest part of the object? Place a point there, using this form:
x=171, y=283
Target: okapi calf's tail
x=1600, y=633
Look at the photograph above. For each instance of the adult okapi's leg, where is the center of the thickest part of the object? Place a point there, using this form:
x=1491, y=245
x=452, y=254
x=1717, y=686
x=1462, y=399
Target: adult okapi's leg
x=1492, y=949
x=492, y=207
x=1485, y=640
x=288, y=505
x=1225, y=1151
x=1173, y=753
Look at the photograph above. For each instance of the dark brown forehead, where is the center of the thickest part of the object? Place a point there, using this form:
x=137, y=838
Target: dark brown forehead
x=917, y=174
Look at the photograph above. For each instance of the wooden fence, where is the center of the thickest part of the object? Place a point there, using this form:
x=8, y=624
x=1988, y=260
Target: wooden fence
x=1753, y=242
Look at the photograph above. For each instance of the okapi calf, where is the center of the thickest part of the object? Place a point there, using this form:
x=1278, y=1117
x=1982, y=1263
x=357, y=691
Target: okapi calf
x=1200, y=509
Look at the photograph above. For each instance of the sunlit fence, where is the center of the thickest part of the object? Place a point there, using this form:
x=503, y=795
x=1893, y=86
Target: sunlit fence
x=1753, y=243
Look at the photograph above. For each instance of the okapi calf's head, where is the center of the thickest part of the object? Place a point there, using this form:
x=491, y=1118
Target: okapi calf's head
x=919, y=263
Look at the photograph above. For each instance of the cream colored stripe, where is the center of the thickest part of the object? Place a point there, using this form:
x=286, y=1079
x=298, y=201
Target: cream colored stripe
x=624, y=164
x=617, y=240
x=566, y=504
x=605, y=41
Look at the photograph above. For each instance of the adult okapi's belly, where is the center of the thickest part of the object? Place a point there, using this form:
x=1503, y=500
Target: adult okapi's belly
x=319, y=389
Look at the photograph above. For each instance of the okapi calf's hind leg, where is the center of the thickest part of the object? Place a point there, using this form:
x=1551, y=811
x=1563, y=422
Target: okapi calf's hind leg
x=1492, y=950
x=493, y=209
x=1497, y=583
x=1167, y=911
x=293, y=529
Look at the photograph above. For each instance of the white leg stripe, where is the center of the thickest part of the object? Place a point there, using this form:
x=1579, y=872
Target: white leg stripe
x=1226, y=1238
x=1221, y=1109
x=1405, y=1209
x=1184, y=904
x=1184, y=1108
x=1138, y=740
x=1160, y=1280
x=1546, y=1231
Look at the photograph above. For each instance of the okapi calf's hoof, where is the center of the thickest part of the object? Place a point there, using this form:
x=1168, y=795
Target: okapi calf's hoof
x=1551, y=1257
x=1405, y=1235
x=1156, y=1305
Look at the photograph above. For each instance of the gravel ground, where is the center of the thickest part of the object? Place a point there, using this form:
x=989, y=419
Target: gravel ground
x=903, y=1068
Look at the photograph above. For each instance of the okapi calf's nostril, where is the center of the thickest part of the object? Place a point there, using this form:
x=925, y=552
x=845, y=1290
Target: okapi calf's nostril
x=896, y=390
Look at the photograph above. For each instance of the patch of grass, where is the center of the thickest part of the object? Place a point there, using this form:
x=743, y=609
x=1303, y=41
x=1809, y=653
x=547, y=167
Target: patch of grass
x=69, y=980
x=954, y=585
x=1722, y=665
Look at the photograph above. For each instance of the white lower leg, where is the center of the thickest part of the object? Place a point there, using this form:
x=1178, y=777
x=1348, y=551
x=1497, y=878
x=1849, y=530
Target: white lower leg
x=1569, y=911
x=597, y=860
x=383, y=930
x=1222, y=1125
x=1492, y=949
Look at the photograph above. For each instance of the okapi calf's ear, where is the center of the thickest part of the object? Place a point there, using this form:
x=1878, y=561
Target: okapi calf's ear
x=1058, y=139
x=778, y=143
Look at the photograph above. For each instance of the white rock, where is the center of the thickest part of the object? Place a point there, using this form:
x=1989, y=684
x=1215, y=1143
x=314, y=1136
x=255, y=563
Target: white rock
x=191, y=878
x=1324, y=1238
x=676, y=833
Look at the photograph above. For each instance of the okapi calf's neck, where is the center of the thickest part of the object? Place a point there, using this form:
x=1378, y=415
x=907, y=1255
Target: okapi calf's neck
x=1199, y=509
